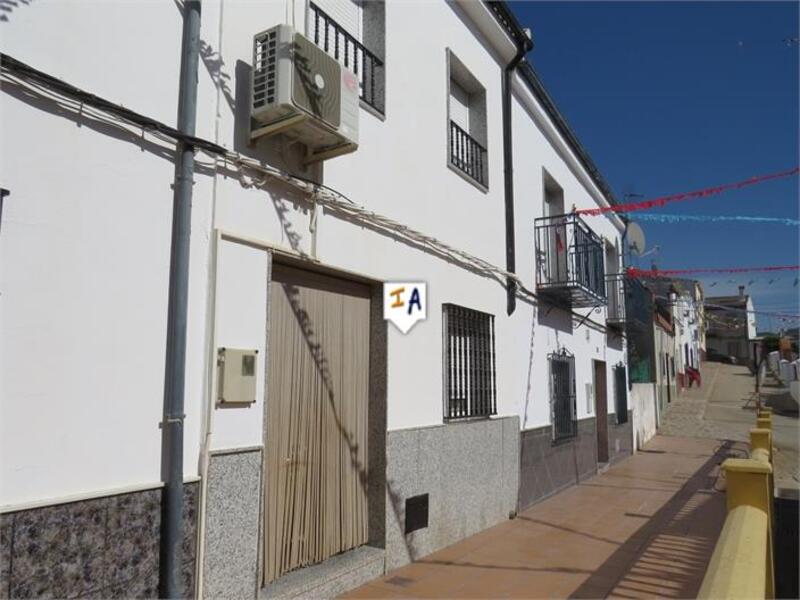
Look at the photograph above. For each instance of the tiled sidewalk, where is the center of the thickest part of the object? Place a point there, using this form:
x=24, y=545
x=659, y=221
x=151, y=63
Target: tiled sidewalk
x=645, y=528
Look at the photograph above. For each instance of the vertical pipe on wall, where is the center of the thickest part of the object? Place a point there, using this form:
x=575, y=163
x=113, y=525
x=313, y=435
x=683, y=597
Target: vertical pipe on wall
x=508, y=161
x=175, y=367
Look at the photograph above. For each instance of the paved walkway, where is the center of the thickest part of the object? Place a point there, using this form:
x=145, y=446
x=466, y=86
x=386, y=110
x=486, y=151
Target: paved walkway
x=644, y=528
x=720, y=410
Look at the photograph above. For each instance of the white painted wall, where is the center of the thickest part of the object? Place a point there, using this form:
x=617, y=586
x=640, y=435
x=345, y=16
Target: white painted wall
x=85, y=238
x=751, y=320
x=643, y=401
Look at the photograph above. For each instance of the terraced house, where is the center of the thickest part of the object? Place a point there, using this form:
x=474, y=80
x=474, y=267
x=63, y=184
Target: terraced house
x=335, y=146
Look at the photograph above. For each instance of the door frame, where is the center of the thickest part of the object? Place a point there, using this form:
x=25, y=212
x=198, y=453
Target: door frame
x=599, y=367
x=377, y=415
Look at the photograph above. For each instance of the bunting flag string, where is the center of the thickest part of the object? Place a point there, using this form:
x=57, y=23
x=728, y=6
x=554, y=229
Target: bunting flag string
x=756, y=282
x=662, y=200
x=634, y=272
x=754, y=312
x=715, y=218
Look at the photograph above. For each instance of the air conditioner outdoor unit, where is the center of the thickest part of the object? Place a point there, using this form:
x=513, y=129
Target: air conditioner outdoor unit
x=302, y=92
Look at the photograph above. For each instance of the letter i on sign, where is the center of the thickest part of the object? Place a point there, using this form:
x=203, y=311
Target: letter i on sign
x=405, y=303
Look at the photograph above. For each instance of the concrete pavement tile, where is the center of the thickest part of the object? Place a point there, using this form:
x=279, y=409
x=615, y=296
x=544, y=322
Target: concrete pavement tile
x=643, y=537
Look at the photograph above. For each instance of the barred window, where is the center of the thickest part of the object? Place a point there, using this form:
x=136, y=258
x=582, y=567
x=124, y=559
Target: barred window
x=469, y=363
x=621, y=393
x=562, y=395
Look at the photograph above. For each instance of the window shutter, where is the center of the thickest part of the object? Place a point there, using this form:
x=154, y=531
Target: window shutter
x=346, y=13
x=459, y=106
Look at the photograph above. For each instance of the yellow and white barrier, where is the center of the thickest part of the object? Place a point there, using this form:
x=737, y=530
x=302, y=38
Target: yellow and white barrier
x=742, y=565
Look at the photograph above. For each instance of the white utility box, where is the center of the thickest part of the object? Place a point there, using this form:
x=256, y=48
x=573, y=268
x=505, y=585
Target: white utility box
x=236, y=373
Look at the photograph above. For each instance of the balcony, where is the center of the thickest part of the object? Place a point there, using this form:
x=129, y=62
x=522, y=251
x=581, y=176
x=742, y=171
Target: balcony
x=341, y=45
x=615, y=291
x=569, y=262
x=467, y=155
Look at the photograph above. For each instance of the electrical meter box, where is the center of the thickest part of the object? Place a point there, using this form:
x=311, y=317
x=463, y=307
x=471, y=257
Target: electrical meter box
x=236, y=370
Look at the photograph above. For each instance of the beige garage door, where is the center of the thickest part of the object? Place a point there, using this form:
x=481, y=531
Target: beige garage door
x=316, y=459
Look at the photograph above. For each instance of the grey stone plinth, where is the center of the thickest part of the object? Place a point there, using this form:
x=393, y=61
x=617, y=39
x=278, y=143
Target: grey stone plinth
x=232, y=516
x=330, y=578
x=547, y=467
x=470, y=472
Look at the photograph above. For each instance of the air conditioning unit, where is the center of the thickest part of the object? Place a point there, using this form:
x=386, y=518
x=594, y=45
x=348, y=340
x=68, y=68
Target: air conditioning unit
x=302, y=92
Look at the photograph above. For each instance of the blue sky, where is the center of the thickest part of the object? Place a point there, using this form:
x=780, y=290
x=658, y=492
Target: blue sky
x=670, y=97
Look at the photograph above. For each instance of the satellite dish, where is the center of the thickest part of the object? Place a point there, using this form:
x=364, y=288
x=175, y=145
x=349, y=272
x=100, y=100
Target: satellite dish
x=636, y=240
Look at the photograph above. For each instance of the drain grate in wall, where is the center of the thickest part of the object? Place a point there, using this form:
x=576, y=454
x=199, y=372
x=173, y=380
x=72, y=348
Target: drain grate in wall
x=416, y=513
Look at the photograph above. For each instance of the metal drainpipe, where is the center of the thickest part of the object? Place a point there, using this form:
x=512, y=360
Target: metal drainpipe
x=175, y=370
x=508, y=160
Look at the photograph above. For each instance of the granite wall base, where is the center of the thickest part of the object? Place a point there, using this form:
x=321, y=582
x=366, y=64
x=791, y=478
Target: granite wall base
x=470, y=472
x=104, y=547
x=620, y=438
x=547, y=467
x=233, y=502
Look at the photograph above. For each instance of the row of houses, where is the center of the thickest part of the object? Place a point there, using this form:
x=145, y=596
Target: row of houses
x=320, y=446
x=666, y=333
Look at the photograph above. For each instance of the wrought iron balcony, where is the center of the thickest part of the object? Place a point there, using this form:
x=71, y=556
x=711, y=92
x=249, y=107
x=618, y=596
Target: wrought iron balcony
x=341, y=45
x=569, y=261
x=467, y=155
x=615, y=289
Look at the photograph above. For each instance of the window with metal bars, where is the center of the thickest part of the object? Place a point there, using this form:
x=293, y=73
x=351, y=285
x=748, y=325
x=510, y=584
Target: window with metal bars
x=469, y=363
x=467, y=136
x=621, y=393
x=562, y=395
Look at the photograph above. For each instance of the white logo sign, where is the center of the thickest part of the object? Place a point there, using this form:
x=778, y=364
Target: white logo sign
x=405, y=303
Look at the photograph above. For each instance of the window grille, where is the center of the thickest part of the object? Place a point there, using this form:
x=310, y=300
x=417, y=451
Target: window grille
x=469, y=363
x=345, y=48
x=466, y=154
x=621, y=393
x=562, y=395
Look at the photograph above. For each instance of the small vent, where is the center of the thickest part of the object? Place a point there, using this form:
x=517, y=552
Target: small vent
x=264, y=62
x=416, y=513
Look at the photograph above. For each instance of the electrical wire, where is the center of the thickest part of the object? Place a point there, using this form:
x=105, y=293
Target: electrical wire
x=257, y=174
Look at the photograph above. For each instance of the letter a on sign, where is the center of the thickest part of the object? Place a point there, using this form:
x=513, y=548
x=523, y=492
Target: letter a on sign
x=405, y=303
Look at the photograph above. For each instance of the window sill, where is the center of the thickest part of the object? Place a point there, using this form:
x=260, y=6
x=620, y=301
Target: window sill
x=454, y=420
x=564, y=440
x=372, y=110
x=467, y=178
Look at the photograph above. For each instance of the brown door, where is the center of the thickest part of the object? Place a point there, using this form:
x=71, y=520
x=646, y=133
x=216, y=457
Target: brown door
x=601, y=410
x=317, y=402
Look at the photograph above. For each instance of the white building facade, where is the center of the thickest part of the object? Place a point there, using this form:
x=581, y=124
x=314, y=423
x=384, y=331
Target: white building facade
x=441, y=432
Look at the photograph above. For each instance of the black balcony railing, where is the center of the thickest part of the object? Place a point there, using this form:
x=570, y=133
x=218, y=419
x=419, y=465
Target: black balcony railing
x=615, y=290
x=341, y=45
x=467, y=155
x=569, y=261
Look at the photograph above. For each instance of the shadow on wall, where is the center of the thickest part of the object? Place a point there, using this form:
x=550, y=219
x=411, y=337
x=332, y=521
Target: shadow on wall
x=614, y=339
x=278, y=151
x=556, y=318
x=8, y=6
x=529, y=388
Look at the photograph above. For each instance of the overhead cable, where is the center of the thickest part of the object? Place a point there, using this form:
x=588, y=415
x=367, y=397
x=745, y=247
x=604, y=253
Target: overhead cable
x=257, y=174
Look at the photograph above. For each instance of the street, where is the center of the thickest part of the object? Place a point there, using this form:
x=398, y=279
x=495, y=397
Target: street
x=720, y=410
x=644, y=528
